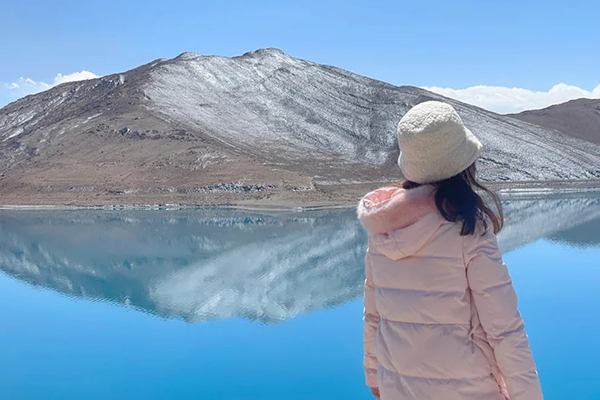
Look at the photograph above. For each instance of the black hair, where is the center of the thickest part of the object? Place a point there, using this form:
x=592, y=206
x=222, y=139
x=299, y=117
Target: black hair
x=457, y=200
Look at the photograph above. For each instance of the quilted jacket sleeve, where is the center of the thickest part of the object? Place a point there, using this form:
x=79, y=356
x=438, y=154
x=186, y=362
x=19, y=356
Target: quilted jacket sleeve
x=371, y=322
x=496, y=303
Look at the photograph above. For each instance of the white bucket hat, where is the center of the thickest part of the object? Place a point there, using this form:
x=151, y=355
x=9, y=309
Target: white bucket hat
x=434, y=143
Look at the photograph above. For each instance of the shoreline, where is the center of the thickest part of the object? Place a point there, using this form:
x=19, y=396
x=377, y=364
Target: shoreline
x=348, y=196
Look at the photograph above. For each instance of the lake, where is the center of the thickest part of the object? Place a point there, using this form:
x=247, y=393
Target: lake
x=229, y=304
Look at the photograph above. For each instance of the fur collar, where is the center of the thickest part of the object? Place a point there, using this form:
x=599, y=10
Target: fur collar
x=388, y=209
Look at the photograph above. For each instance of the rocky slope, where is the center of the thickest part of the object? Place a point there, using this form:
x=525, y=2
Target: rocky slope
x=216, y=263
x=262, y=127
x=576, y=118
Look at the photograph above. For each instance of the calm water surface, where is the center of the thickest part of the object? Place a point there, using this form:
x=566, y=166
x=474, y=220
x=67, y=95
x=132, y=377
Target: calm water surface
x=224, y=304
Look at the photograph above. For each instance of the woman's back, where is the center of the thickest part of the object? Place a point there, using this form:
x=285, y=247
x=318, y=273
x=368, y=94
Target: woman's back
x=419, y=284
x=441, y=318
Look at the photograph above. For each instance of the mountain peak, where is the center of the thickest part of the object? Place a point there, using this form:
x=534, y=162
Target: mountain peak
x=269, y=52
x=266, y=52
x=188, y=55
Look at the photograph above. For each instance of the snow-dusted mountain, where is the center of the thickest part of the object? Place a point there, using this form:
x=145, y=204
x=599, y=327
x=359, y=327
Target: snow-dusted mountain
x=210, y=264
x=177, y=127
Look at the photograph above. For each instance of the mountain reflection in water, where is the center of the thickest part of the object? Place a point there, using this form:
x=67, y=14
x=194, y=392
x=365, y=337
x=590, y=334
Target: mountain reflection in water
x=216, y=263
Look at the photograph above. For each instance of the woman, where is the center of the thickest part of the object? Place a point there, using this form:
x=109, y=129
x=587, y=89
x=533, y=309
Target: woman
x=441, y=319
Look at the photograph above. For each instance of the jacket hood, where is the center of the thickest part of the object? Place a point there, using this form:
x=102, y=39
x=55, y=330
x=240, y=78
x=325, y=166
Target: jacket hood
x=388, y=209
x=400, y=221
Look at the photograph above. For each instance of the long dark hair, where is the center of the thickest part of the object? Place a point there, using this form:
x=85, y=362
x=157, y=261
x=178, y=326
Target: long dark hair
x=457, y=200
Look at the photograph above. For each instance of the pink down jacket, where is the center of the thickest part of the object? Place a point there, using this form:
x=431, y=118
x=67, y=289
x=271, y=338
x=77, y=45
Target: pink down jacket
x=441, y=319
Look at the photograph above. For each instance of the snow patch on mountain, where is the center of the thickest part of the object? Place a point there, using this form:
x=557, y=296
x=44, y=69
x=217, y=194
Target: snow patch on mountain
x=278, y=108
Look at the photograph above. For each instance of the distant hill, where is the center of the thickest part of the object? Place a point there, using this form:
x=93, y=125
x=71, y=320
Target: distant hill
x=576, y=118
x=262, y=127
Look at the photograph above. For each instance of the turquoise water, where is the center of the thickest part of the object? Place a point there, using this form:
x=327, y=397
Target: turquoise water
x=223, y=304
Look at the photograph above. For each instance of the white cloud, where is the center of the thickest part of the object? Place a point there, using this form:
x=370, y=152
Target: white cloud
x=506, y=100
x=25, y=86
x=75, y=76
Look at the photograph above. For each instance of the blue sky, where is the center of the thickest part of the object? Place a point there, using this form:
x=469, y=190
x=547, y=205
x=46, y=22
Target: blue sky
x=532, y=45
